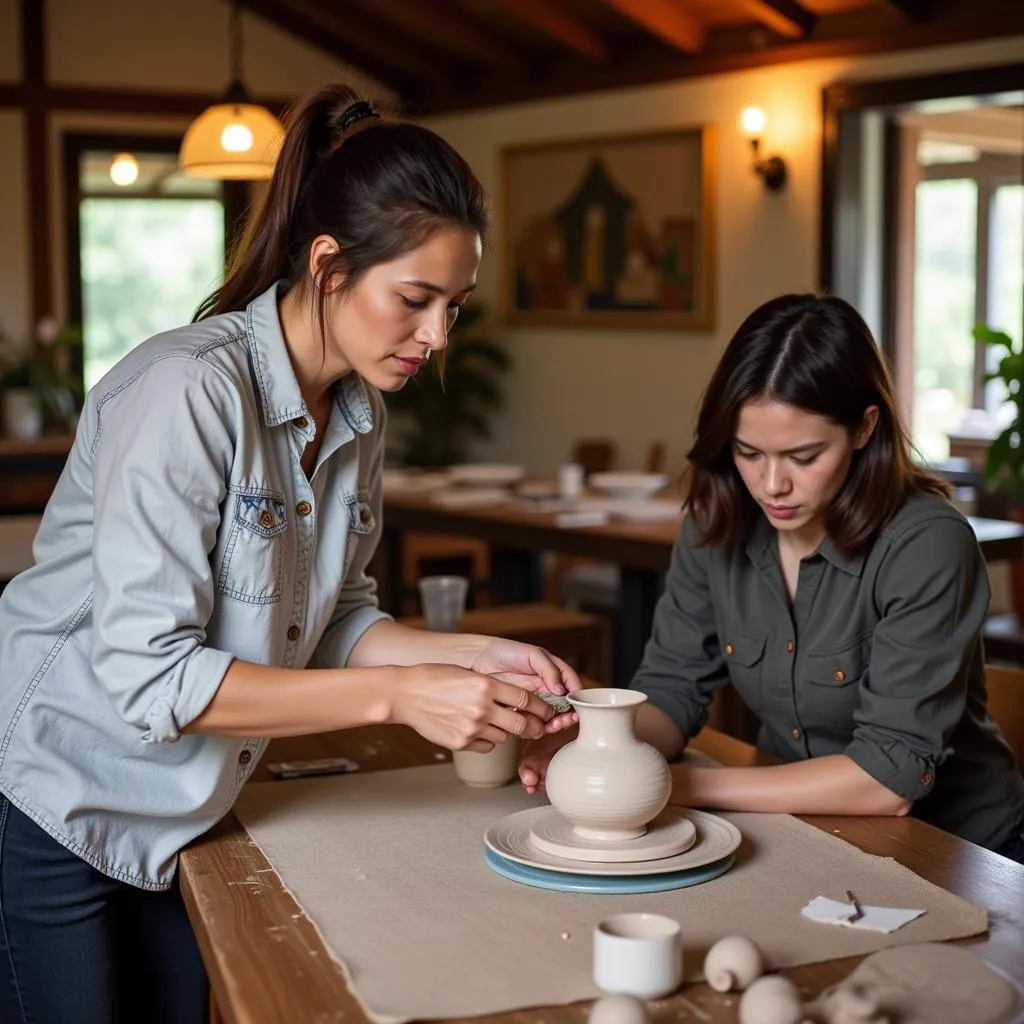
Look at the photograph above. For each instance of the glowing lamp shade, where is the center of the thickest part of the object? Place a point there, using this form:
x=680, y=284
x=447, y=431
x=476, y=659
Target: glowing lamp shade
x=232, y=141
x=124, y=169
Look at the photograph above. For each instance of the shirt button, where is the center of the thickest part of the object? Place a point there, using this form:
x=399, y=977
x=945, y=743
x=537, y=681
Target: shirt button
x=303, y=508
x=796, y=734
x=245, y=757
x=301, y=422
x=728, y=648
x=839, y=676
x=789, y=646
x=294, y=633
x=926, y=779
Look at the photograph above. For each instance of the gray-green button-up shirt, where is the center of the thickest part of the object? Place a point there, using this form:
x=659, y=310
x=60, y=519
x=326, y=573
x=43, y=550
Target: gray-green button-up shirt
x=878, y=657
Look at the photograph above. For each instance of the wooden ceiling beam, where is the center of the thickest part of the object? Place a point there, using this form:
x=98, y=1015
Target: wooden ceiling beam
x=667, y=19
x=547, y=17
x=451, y=32
x=786, y=17
x=325, y=32
x=915, y=10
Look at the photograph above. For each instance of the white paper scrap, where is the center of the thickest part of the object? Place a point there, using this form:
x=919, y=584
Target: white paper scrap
x=875, y=919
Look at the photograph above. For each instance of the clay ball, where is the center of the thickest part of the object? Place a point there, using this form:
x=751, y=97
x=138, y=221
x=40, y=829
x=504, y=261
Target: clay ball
x=618, y=1010
x=771, y=1000
x=733, y=963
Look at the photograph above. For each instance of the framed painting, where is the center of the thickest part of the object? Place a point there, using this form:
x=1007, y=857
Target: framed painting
x=611, y=231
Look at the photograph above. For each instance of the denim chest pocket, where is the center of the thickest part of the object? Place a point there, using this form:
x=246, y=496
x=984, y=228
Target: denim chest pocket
x=744, y=654
x=250, y=569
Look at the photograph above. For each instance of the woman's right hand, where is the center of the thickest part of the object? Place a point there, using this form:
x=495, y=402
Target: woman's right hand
x=464, y=710
x=534, y=766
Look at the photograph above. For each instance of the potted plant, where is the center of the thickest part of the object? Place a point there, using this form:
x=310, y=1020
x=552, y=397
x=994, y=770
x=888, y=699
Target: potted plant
x=442, y=410
x=1004, y=466
x=39, y=387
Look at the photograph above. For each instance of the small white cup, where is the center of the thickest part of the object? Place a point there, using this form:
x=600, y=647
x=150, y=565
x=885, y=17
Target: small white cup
x=570, y=480
x=638, y=955
x=498, y=767
x=444, y=601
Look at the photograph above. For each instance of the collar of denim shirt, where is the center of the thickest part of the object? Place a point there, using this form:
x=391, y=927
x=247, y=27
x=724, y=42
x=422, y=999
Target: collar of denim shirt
x=279, y=391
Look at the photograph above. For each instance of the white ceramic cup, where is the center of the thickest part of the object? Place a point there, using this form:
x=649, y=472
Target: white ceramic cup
x=498, y=767
x=444, y=601
x=570, y=480
x=638, y=954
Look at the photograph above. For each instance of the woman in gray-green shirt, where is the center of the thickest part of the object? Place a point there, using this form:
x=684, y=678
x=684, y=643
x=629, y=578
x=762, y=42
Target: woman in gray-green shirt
x=827, y=576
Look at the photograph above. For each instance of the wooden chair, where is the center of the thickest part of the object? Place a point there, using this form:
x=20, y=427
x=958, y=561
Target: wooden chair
x=1006, y=704
x=594, y=454
x=584, y=582
x=578, y=637
x=418, y=549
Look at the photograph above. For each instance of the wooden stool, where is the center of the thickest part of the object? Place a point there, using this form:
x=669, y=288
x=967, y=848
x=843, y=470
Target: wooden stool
x=577, y=637
x=418, y=548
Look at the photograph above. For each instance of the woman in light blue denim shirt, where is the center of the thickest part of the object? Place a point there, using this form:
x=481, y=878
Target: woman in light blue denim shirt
x=201, y=569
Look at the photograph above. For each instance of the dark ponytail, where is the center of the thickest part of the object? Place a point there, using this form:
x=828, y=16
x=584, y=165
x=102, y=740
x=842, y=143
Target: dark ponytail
x=380, y=188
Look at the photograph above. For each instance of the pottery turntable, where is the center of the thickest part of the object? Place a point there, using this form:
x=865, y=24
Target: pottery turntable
x=608, y=828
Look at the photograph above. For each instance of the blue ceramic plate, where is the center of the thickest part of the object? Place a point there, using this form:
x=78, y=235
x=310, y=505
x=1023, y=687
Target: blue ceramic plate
x=562, y=882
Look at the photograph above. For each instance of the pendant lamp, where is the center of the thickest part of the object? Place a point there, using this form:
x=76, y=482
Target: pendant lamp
x=235, y=140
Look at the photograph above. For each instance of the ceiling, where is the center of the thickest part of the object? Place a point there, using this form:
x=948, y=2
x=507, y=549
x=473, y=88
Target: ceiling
x=442, y=55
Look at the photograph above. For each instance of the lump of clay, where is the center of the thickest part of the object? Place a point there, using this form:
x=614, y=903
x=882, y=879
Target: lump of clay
x=771, y=1000
x=618, y=1010
x=733, y=963
x=853, y=1004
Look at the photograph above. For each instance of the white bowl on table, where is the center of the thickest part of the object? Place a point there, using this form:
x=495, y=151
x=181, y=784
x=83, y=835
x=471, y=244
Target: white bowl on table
x=627, y=485
x=486, y=474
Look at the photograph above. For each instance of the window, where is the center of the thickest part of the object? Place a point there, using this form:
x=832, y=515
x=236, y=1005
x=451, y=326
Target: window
x=968, y=269
x=142, y=254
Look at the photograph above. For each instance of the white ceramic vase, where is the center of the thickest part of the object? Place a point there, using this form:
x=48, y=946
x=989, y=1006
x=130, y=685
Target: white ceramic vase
x=607, y=783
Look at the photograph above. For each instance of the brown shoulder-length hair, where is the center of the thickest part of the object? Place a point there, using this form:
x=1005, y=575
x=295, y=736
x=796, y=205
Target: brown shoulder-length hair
x=817, y=354
x=379, y=186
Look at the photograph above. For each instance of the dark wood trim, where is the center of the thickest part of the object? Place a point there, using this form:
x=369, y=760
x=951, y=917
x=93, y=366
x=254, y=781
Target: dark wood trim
x=37, y=157
x=548, y=18
x=889, y=94
x=567, y=78
x=787, y=17
x=121, y=101
x=916, y=10
x=345, y=40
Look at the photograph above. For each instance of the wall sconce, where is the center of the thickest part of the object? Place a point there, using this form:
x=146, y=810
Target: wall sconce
x=773, y=168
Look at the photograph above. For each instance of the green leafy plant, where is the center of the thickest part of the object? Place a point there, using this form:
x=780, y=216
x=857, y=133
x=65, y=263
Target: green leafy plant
x=44, y=365
x=1004, y=468
x=440, y=413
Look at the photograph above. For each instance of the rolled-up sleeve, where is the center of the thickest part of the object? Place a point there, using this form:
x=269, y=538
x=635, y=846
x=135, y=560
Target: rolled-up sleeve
x=357, y=607
x=932, y=591
x=683, y=664
x=161, y=457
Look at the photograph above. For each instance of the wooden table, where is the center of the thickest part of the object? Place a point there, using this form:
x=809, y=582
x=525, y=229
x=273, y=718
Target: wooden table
x=642, y=551
x=268, y=965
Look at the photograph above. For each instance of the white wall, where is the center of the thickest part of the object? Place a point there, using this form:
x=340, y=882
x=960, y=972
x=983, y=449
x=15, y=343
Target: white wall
x=640, y=386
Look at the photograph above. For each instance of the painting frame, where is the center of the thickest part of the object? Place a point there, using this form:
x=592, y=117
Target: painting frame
x=670, y=283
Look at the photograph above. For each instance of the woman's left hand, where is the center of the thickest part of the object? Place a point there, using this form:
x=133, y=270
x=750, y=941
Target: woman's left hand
x=531, y=668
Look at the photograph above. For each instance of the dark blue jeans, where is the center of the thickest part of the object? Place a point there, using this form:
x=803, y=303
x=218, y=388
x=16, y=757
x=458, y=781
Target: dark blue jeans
x=1014, y=846
x=78, y=946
